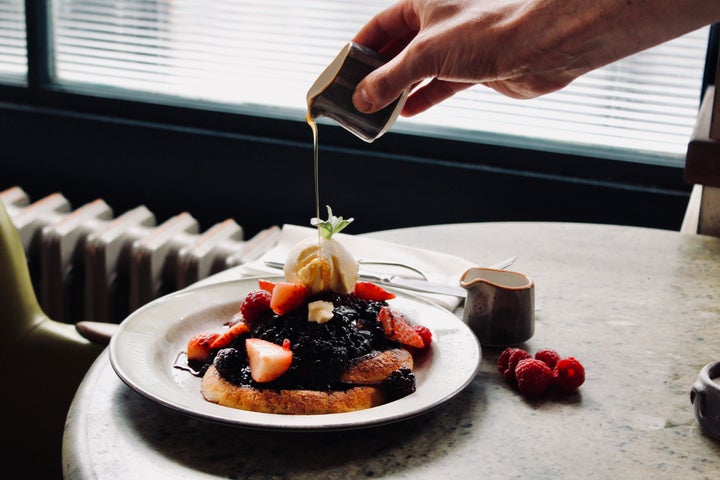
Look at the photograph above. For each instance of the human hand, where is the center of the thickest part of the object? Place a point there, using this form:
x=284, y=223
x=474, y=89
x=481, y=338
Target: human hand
x=451, y=45
x=521, y=48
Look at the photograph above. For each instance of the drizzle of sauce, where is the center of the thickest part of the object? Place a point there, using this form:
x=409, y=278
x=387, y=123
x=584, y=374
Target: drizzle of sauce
x=182, y=363
x=316, y=147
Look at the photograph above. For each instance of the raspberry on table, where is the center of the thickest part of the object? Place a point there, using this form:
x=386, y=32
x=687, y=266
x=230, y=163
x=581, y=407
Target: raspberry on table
x=533, y=377
x=502, y=362
x=255, y=303
x=549, y=356
x=513, y=356
x=568, y=374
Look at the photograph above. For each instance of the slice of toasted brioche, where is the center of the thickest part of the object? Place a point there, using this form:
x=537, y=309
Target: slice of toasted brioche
x=216, y=389
x=373, y=368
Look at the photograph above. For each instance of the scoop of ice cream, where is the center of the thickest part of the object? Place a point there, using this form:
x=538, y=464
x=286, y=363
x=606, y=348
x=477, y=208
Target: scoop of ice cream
x=322, y=264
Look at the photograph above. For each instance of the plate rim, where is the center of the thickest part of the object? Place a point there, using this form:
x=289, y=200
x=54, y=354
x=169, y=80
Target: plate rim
x=265, y=421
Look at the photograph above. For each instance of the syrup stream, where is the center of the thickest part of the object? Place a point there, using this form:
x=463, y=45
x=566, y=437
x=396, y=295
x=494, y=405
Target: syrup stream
x=313, y=125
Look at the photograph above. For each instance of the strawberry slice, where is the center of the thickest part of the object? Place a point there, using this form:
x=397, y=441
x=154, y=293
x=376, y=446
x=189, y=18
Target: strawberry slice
x=371, y=291
x=266, y=285
x=267, y=360
x=396, y=328
x=198, y=347
x=231, y=334
x=287, y=296
x=424, y=333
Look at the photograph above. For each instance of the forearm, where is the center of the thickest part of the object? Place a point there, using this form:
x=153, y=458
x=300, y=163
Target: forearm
x=577, y=36
x=521, y=48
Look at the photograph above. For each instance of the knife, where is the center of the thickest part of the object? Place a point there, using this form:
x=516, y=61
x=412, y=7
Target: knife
x=413, y=284
x=418, y=285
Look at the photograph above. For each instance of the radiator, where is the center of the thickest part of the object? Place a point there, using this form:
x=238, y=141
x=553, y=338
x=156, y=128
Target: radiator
x=86, y=264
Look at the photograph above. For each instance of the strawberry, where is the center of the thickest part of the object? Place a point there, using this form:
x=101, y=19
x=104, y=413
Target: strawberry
x=255, y=303
x=266, y=285
x=287, y=296
x=396, y=328
x=425, y=334
x=267, y=360
x=198, y=348
x=371, y=291
x=226, y=338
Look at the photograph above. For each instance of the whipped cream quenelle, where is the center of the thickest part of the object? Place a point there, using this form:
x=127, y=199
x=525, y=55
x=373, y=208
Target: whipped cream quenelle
x=323, y=263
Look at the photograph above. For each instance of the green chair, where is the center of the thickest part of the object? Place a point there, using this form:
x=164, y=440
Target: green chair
x=42, y=362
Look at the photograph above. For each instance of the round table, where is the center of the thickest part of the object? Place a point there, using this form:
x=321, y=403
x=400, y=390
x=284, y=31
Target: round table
x=640, y=308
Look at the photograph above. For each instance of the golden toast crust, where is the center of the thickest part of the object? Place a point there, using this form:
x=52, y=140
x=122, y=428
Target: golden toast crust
x=216, y=389
x=375, y=367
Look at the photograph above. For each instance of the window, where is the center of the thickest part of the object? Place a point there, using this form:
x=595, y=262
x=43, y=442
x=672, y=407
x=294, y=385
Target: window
x=186, y=100
x=239, y=55
x=641, y=108
x=13, y=53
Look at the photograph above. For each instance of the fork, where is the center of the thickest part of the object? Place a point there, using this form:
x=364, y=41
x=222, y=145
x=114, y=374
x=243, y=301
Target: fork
x=413, y=284
x=280, y=266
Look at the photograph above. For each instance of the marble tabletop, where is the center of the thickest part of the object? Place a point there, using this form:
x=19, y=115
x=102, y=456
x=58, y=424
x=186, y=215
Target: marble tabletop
x=640, y=308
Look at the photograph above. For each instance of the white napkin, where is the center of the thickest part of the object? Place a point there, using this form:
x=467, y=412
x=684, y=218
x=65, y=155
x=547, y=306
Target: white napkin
x=437, y=266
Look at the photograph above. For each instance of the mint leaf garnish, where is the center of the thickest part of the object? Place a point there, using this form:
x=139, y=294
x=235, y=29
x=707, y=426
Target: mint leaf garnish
x=332, y=225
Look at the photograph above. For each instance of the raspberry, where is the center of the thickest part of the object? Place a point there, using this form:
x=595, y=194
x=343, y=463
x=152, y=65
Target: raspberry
x=502, y=361
x=255, y=303
x=549, y=356
x=425, y=334
x=533, y=377
x=568, y=374
x=509, y=359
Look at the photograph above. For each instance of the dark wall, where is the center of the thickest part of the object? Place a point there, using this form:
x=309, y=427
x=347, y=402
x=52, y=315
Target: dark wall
x=260, y=179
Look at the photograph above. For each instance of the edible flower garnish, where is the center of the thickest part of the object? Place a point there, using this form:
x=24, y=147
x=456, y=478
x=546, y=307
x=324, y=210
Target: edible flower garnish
x=332, y=225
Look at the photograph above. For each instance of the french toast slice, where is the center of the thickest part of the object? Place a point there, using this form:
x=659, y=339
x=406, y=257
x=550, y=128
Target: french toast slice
x=216, y=389
x=375, y=367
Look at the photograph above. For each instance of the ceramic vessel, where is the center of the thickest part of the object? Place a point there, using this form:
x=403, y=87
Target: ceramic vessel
x=500, y=306
x=331, y=94
x=705, y=398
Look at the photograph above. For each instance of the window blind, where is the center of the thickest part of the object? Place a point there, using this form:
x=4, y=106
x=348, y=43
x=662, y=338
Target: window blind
x=13, y=50
x=266, y=53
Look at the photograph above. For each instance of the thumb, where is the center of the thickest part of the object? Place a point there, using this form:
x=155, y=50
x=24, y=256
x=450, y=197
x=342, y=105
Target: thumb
x=382, y=86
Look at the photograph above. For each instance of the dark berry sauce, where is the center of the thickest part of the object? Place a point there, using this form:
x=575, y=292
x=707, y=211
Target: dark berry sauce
x=321, y=351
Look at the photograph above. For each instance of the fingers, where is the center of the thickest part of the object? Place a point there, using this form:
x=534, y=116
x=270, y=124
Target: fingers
x=431, y=94
x=394, y=47
x=384, y=85
x=386, y=27
x=388, y=33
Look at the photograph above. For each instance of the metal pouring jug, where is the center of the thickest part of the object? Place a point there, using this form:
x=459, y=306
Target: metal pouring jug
x=331, y=94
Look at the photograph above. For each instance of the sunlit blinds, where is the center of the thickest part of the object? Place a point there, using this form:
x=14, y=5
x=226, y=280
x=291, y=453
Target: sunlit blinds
x=241, y=53
x=13, y=51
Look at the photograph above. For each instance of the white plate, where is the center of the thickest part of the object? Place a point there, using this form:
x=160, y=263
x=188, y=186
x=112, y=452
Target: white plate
x=147, y=343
